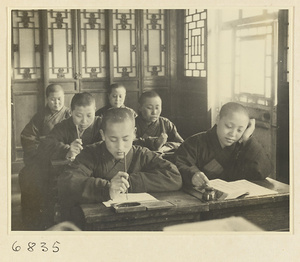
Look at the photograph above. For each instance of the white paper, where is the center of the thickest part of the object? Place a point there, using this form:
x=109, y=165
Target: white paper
x=132, y=197
x=253, y=189
x=164, y=149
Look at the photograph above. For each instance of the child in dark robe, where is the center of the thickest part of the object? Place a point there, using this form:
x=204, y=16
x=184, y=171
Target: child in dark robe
x=44, y=121
x=227, y=151
x=116, y=99
x=67, y=139
x=98, y=174
x=64, y=142
x=154, y=131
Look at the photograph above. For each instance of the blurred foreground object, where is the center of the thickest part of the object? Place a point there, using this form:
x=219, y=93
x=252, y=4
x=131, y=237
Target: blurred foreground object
x=217, y=225
x=64, y=226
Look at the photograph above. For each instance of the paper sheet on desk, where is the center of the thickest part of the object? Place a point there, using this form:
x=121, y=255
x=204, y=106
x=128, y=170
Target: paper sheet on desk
x=241, y=185
x=253, y=189
x=165, y=149
x=132, y=197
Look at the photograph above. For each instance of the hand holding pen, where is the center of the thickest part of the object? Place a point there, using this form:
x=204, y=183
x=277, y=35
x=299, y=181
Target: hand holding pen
x=75, y=147
x=119, y=184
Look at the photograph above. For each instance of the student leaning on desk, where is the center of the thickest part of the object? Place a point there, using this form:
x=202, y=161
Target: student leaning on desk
x=227, y=151
x=105, y=170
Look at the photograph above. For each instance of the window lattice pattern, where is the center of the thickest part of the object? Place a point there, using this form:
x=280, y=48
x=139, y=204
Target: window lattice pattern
x=154, y=43
x=195, y=42
x=254, y=64
x=60, y=44
x=124, y=42
x=93, y=49
x=26, y=44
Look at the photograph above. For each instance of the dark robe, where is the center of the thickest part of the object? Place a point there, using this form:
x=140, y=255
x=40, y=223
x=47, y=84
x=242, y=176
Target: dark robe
x=148, y=134
x=87, y=179
x=203, y=152
x=39, y=127
x=37, y=179
x=100, y=112
x=57, y=143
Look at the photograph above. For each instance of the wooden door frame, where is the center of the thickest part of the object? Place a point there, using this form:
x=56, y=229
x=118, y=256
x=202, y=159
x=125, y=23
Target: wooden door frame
x=283, y=94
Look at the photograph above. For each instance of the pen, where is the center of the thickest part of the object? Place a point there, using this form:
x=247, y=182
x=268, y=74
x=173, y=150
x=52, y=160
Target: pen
x=78, y=136
x=125, y=170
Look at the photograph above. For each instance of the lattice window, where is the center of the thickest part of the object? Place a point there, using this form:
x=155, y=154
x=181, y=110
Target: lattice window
x=26, y=44
x=124, y=42
x=60, y=44
x=195, y=54
x=254, y=64
x=93, y=49
x=154, y=43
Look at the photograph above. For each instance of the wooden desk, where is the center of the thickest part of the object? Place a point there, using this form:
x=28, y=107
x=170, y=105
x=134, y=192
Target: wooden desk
x=98, y=217
x=268, y=212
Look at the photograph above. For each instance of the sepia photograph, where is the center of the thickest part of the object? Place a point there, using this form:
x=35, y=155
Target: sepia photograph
x=208, y=139
x=149, y=122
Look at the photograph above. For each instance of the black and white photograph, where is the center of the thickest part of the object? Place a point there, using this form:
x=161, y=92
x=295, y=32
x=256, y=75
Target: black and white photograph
x=144, y=122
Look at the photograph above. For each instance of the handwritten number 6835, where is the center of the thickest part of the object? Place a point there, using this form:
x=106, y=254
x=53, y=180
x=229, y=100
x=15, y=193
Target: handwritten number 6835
x=31, y=245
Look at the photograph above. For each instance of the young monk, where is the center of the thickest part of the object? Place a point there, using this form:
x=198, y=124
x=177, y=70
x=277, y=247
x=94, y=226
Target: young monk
x=154, y=131
x=97, y=174
x=44, y=121
x=227, y=151
x=116, y=99
x=65, y=141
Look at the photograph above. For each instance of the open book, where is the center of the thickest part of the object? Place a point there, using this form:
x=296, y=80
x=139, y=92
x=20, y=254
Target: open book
x=239, y=188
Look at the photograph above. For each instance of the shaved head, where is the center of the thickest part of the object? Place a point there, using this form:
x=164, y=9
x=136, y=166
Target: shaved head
x=53, y=88
x=233, y=107
x=117, y=115
x=147, y=94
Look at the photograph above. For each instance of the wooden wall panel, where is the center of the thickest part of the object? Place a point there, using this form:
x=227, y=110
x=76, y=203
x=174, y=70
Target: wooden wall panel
x=130, y=85
x=26, y=86
x=93, y=85
x=67, y=85
x=25, y=107
x=132, y=100
x=191, y=109
x=101, y=99
x=158, y=82
x=68, y=98
x=166, y=103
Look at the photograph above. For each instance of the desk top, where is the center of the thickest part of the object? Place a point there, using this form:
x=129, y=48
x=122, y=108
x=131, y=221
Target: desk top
x=281, y=188
x=183, y=204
